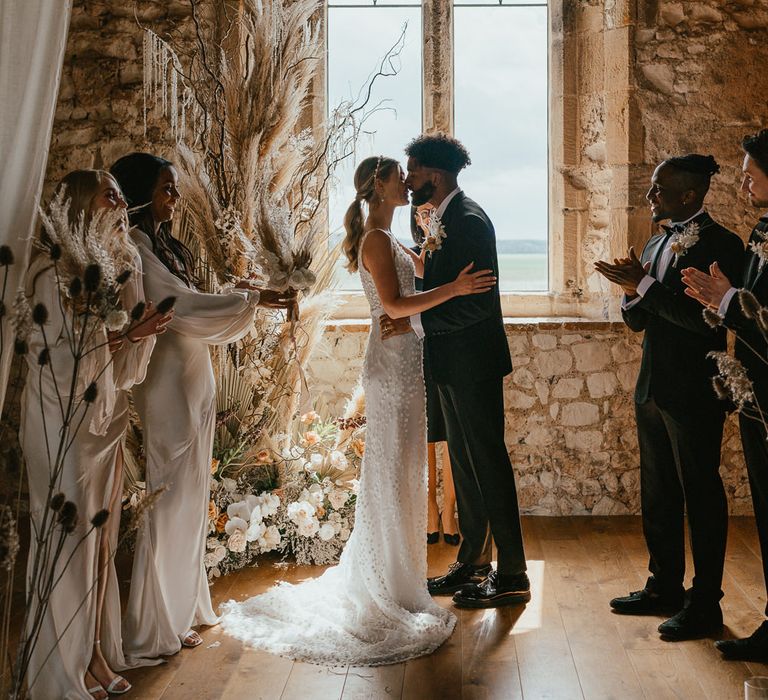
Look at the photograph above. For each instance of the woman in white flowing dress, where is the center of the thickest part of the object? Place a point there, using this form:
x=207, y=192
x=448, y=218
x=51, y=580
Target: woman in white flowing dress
x=373, y=608
x=79, y=646
x=177, y=405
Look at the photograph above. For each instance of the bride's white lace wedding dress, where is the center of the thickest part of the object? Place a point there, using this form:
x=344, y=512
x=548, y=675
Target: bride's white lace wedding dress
x=373, y=608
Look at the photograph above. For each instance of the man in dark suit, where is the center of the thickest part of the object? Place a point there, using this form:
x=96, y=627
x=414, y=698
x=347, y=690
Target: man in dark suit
x=716, y=291
x=679, y=417
x=467, y=356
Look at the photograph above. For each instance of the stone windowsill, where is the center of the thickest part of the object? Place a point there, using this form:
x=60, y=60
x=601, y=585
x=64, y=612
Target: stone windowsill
x=519, y=324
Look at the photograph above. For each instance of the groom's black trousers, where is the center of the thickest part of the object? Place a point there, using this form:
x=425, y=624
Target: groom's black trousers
x=482, y=474
x=679, y=472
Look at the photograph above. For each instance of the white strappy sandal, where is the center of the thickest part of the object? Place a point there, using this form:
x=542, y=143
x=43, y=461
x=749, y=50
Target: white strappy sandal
x=112, y=688
x=197, y=640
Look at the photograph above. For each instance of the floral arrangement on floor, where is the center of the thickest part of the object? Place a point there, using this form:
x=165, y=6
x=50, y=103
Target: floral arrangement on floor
x=310, y=516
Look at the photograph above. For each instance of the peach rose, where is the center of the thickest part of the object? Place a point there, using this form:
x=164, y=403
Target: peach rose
x=221, y=522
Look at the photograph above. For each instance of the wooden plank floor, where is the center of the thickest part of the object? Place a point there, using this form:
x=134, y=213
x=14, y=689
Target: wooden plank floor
x=564, y=644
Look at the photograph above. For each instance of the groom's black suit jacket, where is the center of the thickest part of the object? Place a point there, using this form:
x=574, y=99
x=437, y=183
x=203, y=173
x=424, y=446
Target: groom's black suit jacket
x=675, y=370
x=465, y=339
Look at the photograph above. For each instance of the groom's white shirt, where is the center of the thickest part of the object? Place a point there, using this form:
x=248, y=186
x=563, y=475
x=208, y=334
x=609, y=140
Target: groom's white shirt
x=418, y=329
x=665, y=257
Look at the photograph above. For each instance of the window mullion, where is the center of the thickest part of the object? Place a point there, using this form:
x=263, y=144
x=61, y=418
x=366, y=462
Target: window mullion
x=437, y=85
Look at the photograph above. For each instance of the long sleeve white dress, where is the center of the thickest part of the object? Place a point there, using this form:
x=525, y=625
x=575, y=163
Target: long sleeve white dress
x=177, y=406
x=67, y=632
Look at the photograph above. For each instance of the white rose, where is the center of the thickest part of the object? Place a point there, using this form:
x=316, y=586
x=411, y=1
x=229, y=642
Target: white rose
x=229, y=485
x=308, y=527
x=214, y=572
x=344, y=534
x=316, y=495
x=234, y=525
x=338, y=497
x=270, y=539
x=239, y=510
x=326, y=532
x=256, y=514
x=338, y=460
x=269, y=504
x=255, y=530
x=220, y=553
x=115, y=320
x=236, y=541
x=300, y=510
x=209, y=560
x=212, y=543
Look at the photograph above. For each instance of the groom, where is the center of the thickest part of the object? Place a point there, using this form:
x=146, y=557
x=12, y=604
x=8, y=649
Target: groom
x=467, y=355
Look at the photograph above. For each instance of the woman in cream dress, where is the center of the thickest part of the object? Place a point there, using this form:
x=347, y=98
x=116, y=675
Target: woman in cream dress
x=177, y=405
x=79, y=643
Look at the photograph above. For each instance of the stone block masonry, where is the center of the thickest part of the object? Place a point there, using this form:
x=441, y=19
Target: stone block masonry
x=570, y=422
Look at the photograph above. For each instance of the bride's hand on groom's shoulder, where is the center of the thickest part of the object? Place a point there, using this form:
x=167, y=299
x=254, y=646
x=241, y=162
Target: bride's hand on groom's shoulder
x=391, y=327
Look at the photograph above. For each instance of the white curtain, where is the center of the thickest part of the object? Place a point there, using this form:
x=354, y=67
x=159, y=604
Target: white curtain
x=33, y=36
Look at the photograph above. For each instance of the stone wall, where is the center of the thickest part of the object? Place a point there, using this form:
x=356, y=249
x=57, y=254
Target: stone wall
x=570, y=427
x=632, y=81
x=99, y=115
x=700, y=73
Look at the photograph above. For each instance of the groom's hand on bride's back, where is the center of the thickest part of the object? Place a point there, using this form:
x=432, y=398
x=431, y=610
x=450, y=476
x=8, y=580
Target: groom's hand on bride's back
x=391, y=327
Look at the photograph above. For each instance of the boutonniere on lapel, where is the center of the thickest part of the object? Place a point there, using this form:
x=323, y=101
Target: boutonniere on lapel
x=434, y=235
x=684, y=240
x=760, y=249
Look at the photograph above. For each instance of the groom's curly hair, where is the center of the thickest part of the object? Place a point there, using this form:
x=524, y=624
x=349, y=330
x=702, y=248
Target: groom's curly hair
x=439, y=151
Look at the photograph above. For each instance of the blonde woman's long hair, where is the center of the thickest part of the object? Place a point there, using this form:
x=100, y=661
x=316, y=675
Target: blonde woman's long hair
x=81, y=188
x=367, y=173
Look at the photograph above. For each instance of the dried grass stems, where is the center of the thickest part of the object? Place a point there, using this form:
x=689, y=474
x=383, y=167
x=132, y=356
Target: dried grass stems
x=90, y=265
x=732, y=382
x=255, y=185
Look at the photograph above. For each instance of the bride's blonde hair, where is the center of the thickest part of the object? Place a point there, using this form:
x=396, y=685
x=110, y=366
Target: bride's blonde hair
x=367, y=173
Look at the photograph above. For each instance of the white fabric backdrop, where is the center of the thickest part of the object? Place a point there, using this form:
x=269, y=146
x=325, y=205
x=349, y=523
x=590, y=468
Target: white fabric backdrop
x=33, y=36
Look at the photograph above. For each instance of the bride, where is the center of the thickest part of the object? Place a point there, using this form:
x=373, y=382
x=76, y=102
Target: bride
x=373, y=608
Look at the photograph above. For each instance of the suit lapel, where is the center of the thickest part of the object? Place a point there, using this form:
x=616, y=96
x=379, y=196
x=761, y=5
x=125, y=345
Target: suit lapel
x=754, y=272
x=704, y=220
x=655, y=249
x=434, y=267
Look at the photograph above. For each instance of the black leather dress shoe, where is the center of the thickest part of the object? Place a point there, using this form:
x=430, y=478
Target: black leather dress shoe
x=753, y=648
x=647, y=602
x=495, y=591
x=694, y=621
x=459, y=575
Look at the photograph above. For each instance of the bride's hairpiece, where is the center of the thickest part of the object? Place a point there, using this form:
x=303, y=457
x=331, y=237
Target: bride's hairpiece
x=376, y=170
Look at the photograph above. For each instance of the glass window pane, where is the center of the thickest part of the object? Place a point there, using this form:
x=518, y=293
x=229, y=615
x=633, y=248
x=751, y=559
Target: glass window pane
x=373, y=3
x=496, y=3
x=501, y=116
x=358, y=38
